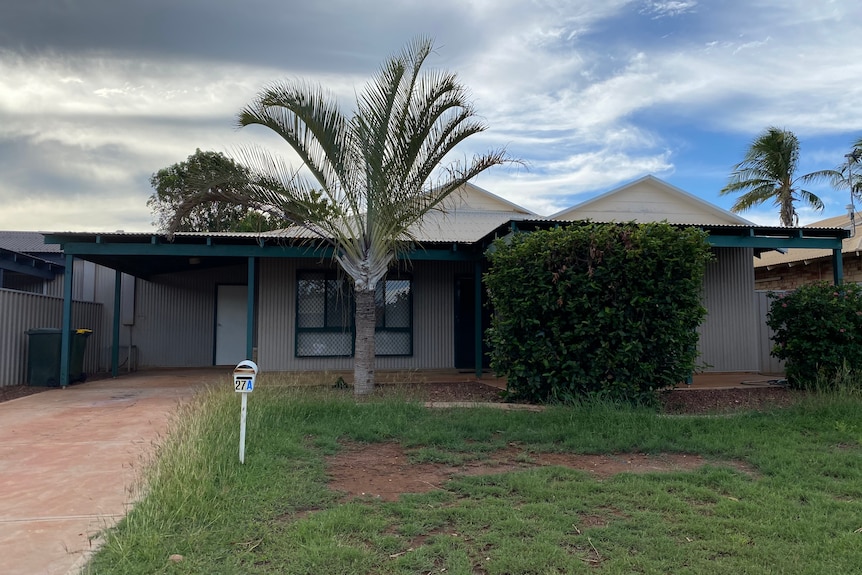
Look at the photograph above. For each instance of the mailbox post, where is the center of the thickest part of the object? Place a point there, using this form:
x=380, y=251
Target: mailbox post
x=244, y=375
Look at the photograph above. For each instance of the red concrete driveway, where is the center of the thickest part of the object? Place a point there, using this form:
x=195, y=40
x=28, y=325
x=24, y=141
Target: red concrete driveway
x=70, y=461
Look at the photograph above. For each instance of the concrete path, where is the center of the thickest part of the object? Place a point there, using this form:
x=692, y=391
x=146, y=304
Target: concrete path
x=70, y=460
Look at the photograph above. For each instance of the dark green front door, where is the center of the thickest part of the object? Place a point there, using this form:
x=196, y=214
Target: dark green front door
x=465, y=324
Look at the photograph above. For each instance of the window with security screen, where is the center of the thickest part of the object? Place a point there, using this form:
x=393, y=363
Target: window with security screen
x=394, y=330
x=324, y=316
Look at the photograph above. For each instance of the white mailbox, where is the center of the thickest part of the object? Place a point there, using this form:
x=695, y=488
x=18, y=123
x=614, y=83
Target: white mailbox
x=244, y=375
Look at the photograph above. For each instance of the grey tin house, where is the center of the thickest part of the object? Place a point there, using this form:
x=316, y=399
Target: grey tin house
x=216, y=298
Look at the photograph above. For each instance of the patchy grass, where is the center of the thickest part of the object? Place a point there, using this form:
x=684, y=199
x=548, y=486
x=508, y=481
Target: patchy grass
x=800, y=511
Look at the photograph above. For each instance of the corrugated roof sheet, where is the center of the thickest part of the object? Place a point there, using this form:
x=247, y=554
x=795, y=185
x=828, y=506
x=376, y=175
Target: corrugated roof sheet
x=461, y=226
x=848, y=245
x=27, y=243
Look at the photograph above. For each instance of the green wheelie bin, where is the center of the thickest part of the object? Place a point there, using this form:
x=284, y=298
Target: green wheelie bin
x=43, y=357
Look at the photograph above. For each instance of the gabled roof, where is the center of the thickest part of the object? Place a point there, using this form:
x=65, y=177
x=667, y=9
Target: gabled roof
x=650, y=199
x=463, y=226
x=454, y=233
x=471, y=197
x=791, y=256
x=466, y=216
x=460, y=233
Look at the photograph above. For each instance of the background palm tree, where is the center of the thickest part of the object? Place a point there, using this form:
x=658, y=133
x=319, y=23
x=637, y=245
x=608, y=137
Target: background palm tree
x=365, y=179
x=853, y=169
x=768, y=173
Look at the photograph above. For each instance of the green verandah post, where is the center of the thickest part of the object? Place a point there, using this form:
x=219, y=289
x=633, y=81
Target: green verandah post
x=477, y=316
x=837, y=267
x=115, y=347
x=66, y=334
x=249, y=333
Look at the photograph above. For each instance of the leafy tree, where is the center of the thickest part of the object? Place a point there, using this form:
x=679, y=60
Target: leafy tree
x=379, y=170
x=768, y=172
x=204, y=174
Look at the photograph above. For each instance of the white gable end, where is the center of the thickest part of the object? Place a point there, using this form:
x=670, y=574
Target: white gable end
x=473, y=198
x=650, y=200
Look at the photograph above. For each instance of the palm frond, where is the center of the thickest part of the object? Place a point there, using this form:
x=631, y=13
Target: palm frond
x=310, y=121
x=367, y=179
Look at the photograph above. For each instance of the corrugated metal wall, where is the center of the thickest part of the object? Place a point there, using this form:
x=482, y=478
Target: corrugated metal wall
x=768, y=364
x=94, y=283
x=174, y=317
x=83, y=281
x=104, y=293
x=729, y=338
x=23, y=311
x=433, y=318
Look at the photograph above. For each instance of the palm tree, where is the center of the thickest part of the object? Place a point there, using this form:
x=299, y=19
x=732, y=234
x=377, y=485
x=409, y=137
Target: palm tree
x=854, y=178
x=768, y=173
x=373, y=175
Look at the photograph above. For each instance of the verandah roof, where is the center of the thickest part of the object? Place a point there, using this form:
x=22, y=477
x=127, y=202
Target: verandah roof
x=452, y=237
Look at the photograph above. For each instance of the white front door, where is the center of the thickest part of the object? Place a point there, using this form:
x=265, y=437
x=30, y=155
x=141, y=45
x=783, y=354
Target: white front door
x=231, y=324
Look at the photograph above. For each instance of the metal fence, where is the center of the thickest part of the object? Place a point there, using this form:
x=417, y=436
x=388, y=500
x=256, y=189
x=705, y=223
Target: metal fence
x=21, y=311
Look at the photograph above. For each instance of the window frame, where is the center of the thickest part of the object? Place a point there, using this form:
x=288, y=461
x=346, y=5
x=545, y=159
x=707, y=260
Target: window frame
x=345, y=328
x=350, y=327
x=386, y=329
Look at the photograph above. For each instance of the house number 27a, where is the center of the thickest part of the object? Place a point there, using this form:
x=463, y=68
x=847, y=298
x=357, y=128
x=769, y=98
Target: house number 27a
x=243, y=385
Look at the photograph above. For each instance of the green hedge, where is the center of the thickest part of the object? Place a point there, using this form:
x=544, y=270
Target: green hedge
x=818, y=331
x=607, y=309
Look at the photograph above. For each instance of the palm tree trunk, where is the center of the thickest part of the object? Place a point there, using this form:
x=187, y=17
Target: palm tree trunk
x=363, y=359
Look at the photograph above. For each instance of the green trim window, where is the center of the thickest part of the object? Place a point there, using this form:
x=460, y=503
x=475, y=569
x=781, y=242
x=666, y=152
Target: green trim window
x=324, y=316
x=393, y=333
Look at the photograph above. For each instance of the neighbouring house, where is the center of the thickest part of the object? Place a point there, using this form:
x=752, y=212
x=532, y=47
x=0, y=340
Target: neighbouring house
x=791, y=268
x=206, y=299
x=30, y=265
x=32, y=274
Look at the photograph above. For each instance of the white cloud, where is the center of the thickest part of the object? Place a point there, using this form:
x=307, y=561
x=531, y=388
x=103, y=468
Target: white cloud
x=668, y=8
x=565, y=85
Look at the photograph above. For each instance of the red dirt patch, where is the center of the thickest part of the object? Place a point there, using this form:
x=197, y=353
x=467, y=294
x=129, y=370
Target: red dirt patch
x=383, y=470
x=15, y=391
x=674, y=401
x=700, y=401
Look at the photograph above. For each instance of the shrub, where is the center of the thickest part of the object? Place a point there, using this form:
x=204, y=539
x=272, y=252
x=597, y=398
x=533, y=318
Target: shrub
x=817, y=332
x=596, y=309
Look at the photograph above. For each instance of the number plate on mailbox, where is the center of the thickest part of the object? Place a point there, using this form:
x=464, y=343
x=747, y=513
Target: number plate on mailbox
x=243, y=384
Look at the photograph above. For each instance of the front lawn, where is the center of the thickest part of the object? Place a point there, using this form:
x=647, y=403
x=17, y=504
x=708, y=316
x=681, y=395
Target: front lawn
x=779, y=492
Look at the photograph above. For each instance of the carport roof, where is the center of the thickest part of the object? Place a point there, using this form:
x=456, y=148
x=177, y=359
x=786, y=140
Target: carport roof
x=454, y=237
x=146, y=255
x=722, y=235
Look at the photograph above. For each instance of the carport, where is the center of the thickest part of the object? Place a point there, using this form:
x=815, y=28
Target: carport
x=147, y=255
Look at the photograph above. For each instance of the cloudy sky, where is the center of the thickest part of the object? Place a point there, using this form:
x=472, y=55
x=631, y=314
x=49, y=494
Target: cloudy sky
x=97, y=95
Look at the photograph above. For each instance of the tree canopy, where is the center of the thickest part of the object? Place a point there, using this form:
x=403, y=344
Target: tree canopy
x=205, y=174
